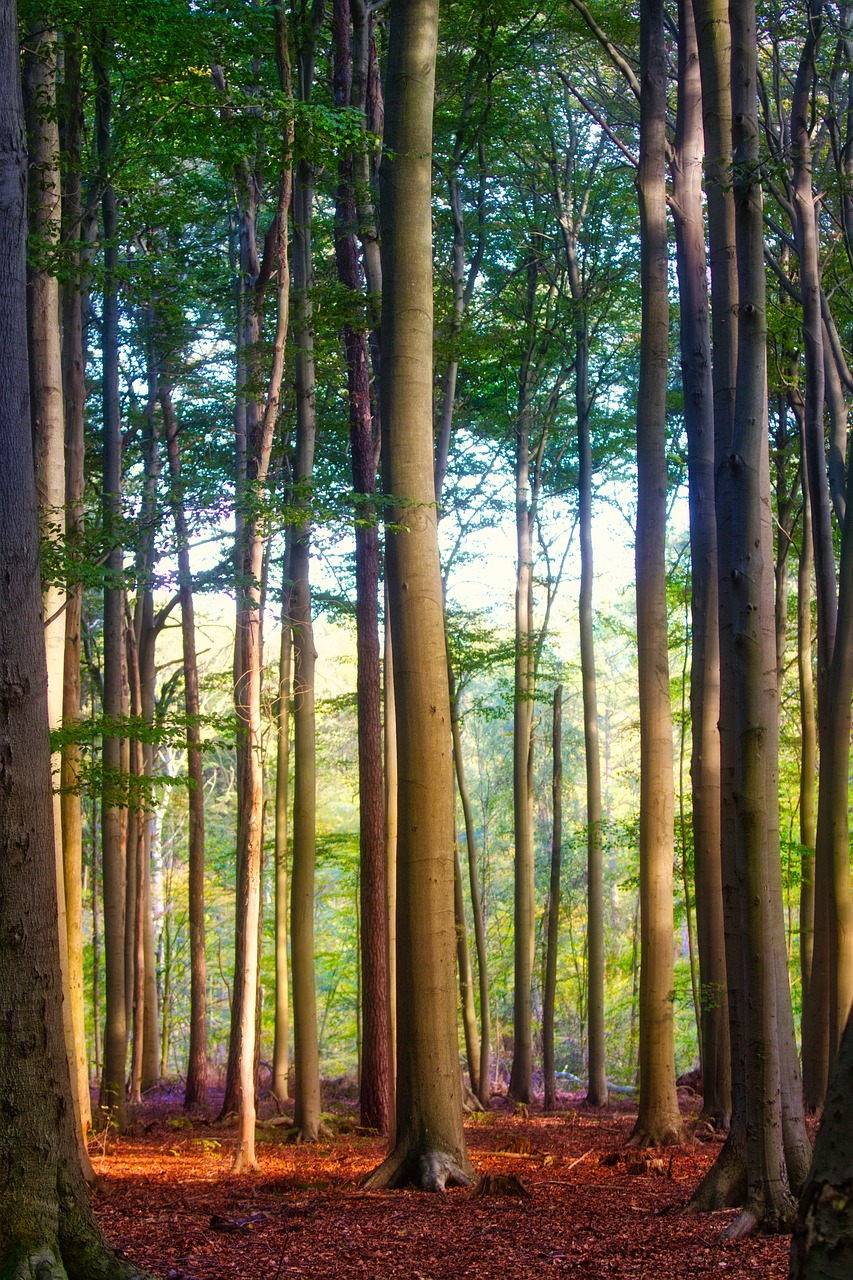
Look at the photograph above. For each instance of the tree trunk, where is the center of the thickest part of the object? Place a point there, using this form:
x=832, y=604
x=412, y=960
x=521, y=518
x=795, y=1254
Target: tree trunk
x=659, y=1121
x=255, y=423
x=374, y=977
x=48, y=428
x=597, y=1072
x=822, y=1247
x=114, y=871
x=769, y=1201
x=391, y=829
x=521, y=1076
x=808, y=758
x=281, y=1047
x=705, y=667
x=466, y=979
x=484, y=1072
x=429, y=1143
x=306, y=1062
x=550, y=994
x=74, y=396
x=195, y=1091
x=46, y=1226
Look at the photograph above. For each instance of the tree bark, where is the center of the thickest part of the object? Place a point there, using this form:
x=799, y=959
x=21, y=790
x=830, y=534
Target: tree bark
x=281, y=1047
x=46, y=1226
x=429, y=1143
x=705, y=664
x=195, y=1090
x=306, y=1060
x=659, y=1121
x=363, y=450
x=74, y=396
x=114, y=871
x=550, y=993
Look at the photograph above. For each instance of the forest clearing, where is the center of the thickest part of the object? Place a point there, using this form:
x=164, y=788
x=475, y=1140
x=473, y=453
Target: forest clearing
x=168, y=1201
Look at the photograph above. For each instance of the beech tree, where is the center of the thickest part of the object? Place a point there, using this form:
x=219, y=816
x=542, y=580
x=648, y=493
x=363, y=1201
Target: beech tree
x=429, y=1144
x=46, y=1225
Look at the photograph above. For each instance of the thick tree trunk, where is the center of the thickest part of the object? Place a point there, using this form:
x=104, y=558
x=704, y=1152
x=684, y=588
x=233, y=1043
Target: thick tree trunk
x=48, y=428
x=822, y=1247
x=46, y=1226
x=659, y=1120
x=430, y=1143
x=769, y=1202
x=549, y=997
x=705, y=666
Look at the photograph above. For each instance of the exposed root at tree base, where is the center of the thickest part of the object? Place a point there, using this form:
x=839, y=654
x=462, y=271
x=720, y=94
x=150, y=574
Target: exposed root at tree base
x=724, y=1185
x=425, y=1170
x=776, y=1218
x=669, y=1134
x=43, y=1262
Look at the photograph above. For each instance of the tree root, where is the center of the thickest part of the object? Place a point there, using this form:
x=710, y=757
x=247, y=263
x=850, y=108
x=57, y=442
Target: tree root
x=44, y=1262
x=669, y=1134
x=424, y=1170
x=724, y=1185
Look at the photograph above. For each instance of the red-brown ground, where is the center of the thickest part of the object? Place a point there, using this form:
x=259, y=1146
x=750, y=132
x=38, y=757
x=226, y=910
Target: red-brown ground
x=167, y=1201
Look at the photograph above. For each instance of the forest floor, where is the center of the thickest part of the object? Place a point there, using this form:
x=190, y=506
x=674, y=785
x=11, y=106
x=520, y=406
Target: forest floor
x=564, y=1203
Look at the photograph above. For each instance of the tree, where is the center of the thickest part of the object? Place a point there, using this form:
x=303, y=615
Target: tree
x=822, y=1247
x=46, y=1226
x=429, y=1146
x=659, y=1120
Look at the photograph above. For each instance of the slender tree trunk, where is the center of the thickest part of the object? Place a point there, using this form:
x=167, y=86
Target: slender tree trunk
x=114, y=870
x=466, y=979
x=808, y=759
x=195, y=1091
x=705, y=668
x=597, y=1072
x=521, y=1076
x=374, y=978
x=550, y=994
x=74, y=396
x=659, y=1121
x=391, y=831
x=429, y=1143
x=306, y=1116
x=256, y=423
x=136, y=924
x=484, y=1069
x=281, y=1048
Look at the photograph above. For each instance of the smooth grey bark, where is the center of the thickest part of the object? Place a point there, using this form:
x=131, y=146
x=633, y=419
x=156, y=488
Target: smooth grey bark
x=695, y=341
x=659, y=1120
x=364, y=457
x=549, y=996
x=429, y=1145
x=281, y=1045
